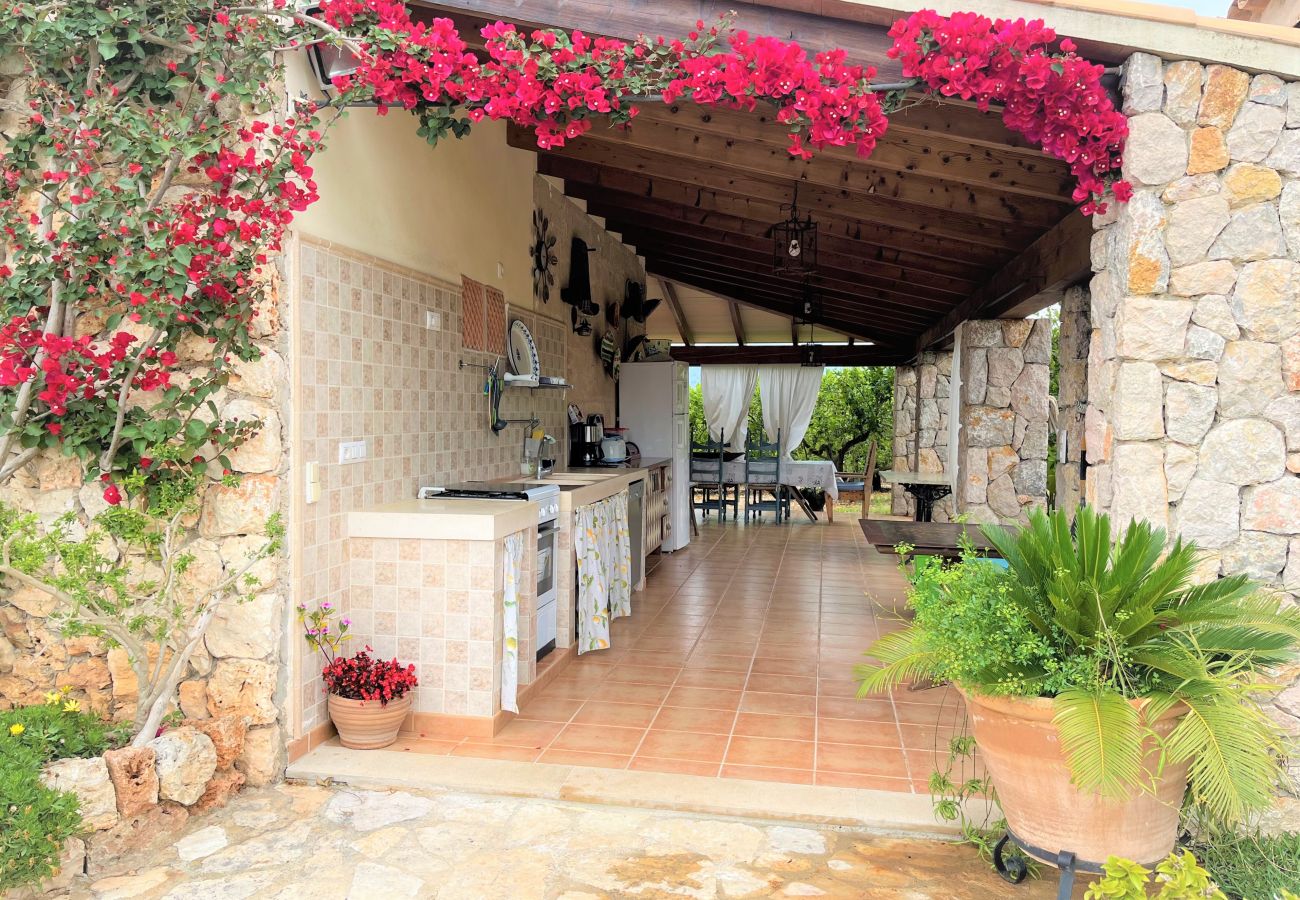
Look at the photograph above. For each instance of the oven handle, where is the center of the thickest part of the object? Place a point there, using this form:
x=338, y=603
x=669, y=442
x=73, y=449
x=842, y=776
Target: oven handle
x=548, y=527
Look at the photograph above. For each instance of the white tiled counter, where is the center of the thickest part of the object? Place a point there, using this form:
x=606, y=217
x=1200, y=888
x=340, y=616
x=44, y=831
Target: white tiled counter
x=426, y=585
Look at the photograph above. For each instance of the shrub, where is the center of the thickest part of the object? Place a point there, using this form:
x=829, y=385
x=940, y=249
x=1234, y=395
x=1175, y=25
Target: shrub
x=1178, y=877
x=35, y=820
x=1093, y=620
x=1254, y=866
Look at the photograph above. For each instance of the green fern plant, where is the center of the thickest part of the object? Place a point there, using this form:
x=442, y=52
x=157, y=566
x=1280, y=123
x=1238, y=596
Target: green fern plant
x=1093, y=621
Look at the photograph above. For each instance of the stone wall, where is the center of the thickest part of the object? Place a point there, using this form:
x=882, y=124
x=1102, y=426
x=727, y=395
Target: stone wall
x=237, y=670
x=1072, y=394
x=1002, y=441
x=1193, y=415
x=921, y=403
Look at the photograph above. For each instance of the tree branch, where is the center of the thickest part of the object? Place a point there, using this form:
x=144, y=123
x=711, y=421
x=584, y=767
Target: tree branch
x=115, y=442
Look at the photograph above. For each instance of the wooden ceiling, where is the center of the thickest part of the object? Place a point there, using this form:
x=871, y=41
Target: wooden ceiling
x=952, y=217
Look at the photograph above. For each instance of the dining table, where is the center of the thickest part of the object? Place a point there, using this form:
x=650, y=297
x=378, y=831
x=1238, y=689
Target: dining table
x=796, y=474
x=925, y=487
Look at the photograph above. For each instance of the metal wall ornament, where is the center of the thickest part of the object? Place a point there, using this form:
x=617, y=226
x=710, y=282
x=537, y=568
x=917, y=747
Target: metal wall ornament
x=544, y=258
x=794, y=241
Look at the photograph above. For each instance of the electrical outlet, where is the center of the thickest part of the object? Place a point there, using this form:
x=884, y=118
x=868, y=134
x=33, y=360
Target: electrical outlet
x=352, y=452
x=312, y=473
x=501, y=270
x=432, y=320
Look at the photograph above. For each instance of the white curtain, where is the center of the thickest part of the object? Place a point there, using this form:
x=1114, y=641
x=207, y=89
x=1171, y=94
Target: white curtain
x=727, y=392
x=789, y=395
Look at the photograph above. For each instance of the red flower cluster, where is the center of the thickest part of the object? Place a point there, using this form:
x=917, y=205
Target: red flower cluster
x=1053, y=98
x=362, y=678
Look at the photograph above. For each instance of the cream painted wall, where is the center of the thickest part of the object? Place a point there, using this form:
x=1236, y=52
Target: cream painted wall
x=456, y=209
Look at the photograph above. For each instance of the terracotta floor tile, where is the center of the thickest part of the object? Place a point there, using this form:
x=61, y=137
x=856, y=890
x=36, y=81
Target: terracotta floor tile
x=710, y=721
x=781, y=684
x=778, y=704
x=928, y=737
x=760, y=751
x=683, y=745
x=719, y=662
x=774, y=666
x=673, y=766
x=549, y=709
x=791, y=728
x=497, y=751
x=859, y=760
x=618, y=692
x=580, y=758
x=702, y=698
x=858, y=731
x=623, y=715
x=644, y=674
x=712, y=678
x=838, y=687
x=763, y=773
x=526, y=733
x=870, y=708
x=668, y=658
x=927, y=714
x=569, y=688
x=598, y=739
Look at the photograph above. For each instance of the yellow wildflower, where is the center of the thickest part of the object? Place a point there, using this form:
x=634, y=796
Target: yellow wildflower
x=66, y=689
x=72, y=706
x=52, y=698
x=16, y=729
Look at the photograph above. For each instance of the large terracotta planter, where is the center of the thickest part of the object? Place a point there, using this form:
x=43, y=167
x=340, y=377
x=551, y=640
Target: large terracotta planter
x=1021, y=748
x=365, y=724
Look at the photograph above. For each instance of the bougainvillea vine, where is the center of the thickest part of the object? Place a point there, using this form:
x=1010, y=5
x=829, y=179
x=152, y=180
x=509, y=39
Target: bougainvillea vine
x=149, y=176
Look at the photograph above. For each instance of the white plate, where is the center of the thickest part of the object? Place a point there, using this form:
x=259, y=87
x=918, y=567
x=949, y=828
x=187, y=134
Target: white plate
x=523, y=351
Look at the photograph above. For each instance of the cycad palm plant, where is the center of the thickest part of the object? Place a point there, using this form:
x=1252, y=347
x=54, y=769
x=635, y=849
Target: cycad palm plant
x=1095, y=623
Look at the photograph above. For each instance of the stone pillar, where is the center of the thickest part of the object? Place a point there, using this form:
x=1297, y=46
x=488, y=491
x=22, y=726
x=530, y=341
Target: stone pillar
x=921, y=400
x=1002, y=441
x=1193, y=419
x=1072, y=394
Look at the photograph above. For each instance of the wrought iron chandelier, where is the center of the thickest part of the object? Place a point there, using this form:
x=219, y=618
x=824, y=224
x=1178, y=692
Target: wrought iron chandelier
x=794, y=241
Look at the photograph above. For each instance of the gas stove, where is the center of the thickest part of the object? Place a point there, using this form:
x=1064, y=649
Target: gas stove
x=547, y=496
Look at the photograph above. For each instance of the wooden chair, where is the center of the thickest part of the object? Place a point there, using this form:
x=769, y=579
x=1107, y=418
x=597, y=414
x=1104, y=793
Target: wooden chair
x=849, y=481
x=706, y=477
x=763, y=474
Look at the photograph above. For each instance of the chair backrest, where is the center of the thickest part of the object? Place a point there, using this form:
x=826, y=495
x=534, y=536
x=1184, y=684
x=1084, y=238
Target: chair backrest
x=868, y=476
x=706, y=459
x=763, y=460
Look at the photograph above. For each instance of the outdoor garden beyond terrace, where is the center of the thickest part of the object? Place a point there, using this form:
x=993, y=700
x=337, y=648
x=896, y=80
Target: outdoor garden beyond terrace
x=727, y=444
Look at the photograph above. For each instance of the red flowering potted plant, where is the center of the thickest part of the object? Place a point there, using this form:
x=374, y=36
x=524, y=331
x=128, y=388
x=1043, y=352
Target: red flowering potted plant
x=368, y=698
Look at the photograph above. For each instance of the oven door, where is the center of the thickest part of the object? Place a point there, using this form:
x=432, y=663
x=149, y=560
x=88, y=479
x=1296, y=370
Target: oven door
x=547, y=567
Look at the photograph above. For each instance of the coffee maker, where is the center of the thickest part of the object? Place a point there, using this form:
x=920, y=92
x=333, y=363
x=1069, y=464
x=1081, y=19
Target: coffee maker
x=584, y=441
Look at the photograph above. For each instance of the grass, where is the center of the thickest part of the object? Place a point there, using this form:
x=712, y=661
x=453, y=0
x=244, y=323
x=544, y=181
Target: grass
x=850, y=505
x=1253, y=866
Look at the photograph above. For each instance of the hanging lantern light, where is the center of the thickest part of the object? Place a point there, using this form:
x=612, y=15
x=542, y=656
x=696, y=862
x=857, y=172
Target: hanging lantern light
x=810, y=303
x=794, y=241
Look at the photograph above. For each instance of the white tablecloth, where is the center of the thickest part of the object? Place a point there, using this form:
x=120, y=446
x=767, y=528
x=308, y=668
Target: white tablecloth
x=800, y=473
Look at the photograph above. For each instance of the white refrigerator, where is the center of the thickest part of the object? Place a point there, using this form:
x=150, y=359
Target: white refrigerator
x=654, y=405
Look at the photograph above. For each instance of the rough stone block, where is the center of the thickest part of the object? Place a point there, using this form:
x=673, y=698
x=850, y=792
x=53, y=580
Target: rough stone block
x=1182, y=91
x=1255, y=132
x=243, y=687
x=1005, y=364
x=1208, y=151
x=1273, y=507
x=1215, y=277
x=1202, y=343
x=185, y=760
x=1210, y=513
x=227, y=734
x=242, y=509
x=1180, y=467
x=1285, y=156
x=1138, y=485
x=1138, y=402
x=264, y=451
x=135, y=780
x=1142, y=84
x=1247, y=183
x=1250, y=376
x=1152, y=328
x=988, y=427
x=1214, y=313
x=1253, y=233
x=1156, y=151
x=1193, y=227
x=1285, y=413
x=1243, y=451
x=1189, y=411
x=262, y=761
x=1222, y=96
x=1257, y=554
x=1266, y=300
x=88, y=780
x=248, y=629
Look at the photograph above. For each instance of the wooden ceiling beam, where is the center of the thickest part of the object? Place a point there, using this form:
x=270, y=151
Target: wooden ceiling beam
x=859, y=322
x=939, y=160
x=878, y=246
x=953, y=224
x=737, y=326
x=822, y=355
x=830, y=258
x=711, y=160
x=683, y=327
x=786, y=295
x=739, y=265
x=1033, y=280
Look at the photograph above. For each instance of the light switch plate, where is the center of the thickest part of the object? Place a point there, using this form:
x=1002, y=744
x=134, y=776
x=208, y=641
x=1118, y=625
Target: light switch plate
x=312, y=477
x=432, y=319
x=352, y=452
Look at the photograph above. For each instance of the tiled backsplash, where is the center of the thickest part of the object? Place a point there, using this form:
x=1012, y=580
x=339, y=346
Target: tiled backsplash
x=369, y=369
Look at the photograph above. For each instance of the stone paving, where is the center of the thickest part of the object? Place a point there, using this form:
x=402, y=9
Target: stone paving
x=298, y=840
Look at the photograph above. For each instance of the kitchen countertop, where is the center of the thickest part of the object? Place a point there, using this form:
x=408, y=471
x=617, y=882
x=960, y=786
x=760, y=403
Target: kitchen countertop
x=459, y=519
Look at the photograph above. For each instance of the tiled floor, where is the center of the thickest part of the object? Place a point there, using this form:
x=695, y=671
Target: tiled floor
x=737, y=662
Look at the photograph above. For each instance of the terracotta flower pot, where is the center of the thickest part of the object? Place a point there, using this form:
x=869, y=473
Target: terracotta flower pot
x=366, y=724
x=1021, y=747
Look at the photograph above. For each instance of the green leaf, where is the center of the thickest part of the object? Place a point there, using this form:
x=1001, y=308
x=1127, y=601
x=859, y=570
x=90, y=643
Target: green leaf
x=1101, y=734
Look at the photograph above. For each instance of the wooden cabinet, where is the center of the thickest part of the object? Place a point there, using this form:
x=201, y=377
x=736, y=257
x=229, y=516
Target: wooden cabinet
x=658, y=523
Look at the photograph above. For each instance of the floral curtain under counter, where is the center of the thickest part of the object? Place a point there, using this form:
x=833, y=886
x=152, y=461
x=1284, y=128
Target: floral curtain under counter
x=513, y=575
x=603, y=543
